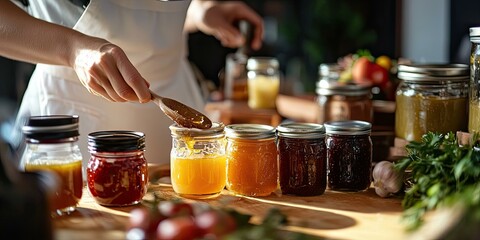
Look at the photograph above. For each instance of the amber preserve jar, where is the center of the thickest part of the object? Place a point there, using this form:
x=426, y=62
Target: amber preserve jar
x=51, y=145
x=302, y=158
x=339, y=101
x=252, y=159
x=431, y=98
x=349, y=155
x=197, y=160
x=474, y=103
x=117, y=172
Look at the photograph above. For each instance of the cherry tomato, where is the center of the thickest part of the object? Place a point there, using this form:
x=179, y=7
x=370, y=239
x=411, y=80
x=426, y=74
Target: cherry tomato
x=216, y=223
x=145, y=219
x=171, y=209
x=178, y=228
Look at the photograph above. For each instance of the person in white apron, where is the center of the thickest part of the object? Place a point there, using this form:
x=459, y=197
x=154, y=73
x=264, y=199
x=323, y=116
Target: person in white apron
x=150, y=34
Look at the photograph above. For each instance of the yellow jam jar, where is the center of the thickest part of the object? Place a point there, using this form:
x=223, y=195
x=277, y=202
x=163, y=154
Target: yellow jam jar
x=431, y=98
x=263, y=82
x=197, y=161
x=252, y=159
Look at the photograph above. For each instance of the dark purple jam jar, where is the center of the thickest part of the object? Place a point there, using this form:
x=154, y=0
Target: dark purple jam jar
x=349, y=155
x=302, y=158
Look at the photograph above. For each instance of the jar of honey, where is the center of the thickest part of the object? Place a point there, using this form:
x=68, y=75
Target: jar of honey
x=51, y=145
x=302, y=158
x=252, y=159
x=349, y=155
x=263, y=82
x=431, y=98
x=474, y=102
x=197, y=161
x=117, y=173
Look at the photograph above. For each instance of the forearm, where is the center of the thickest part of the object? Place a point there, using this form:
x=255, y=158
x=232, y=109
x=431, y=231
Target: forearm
x=195, y=15
x=28, y=39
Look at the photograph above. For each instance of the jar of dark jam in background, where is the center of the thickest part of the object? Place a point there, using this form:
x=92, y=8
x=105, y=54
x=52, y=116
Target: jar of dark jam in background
x=117, y=172
x=339, y=101
x=51, y=145
x=349, y=155
x=302, y=158
x=431, y=98
x=474, y=95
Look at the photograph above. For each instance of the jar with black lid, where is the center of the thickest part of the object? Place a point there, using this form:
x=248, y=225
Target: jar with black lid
x=51, y=144
x=431, y=98
x=339, y=101
x=302, y=158
x=349, y=155
x=474, y=95
x=117, y=172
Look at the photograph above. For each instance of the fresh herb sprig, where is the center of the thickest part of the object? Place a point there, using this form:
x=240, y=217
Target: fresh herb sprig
x=440, y=169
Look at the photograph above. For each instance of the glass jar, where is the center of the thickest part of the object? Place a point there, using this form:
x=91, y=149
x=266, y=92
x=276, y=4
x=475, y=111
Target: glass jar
x=236, y=77
x=431, y=98
x=302, y=158
x=349, y=155
x=474, y=102
x=117, y=173
x=252, y=159
x=263, y=82
x=340, y=102
x=197, y=161
x=51, y=144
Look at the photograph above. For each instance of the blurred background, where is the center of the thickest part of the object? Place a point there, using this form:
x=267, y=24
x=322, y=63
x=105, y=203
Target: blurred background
x=305, y=33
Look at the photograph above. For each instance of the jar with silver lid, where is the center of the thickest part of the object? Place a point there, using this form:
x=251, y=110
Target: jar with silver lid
x=302, y=158
x=474, y=95
x=338, y=101
x=431, y=98
x=252, y=159
x=349, y=155
x=263, y=82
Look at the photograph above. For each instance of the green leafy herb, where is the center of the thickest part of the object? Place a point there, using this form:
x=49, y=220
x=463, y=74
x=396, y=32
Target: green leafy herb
x=441, y=170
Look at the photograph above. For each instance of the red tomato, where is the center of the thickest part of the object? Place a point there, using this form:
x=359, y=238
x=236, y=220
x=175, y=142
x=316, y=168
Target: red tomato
x=216, y=223
x=171, y=209
x=146, y=220
x=178, y=228
x=360, y=70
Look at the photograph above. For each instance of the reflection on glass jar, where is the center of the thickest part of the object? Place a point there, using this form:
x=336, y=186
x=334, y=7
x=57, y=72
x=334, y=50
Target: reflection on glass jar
x=349, y=155
x=52, y=146
x=339, y=102
x=302, y=158
x=252, y=165
x=263, y=82
x=117, y=173
x=431, y=98
x=197, y=161
x=474, y=103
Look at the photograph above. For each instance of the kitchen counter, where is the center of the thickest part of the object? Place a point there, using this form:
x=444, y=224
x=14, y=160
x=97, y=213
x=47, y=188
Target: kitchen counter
x=334, y=215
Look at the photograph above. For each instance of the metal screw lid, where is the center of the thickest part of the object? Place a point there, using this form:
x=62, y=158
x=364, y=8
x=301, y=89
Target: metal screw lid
x=116, y=141
x=262, y=63
x=51, y=127
x=348, y=127
x=249, y=131
x=326, y=88
x=474, y=33
x=433, y=73
x=301, y=130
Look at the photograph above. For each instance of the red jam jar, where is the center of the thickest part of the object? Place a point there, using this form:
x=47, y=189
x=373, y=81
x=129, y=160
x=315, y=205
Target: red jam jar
x=117, y=170
x=302, y=158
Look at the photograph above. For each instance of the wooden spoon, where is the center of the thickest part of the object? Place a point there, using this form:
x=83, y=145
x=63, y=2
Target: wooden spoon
x=180, y=113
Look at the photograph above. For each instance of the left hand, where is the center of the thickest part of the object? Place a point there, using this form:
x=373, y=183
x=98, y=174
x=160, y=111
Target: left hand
x=220, y=18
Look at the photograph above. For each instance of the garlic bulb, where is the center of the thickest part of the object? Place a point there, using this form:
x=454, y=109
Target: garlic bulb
x=386, y=179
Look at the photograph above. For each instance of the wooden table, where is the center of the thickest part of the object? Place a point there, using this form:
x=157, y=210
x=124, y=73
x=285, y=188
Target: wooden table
x=334, y=215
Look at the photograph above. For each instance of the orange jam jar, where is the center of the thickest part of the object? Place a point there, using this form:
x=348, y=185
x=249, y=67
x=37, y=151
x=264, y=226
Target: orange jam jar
x=51, y=145
x=117, y=172
x=197, y=161
x=252, y=159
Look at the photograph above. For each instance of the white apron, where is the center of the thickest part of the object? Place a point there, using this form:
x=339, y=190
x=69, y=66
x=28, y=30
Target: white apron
x=151, y=34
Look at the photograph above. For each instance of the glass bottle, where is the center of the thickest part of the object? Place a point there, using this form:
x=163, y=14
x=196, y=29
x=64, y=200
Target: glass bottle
x=302, y=158
x=117, y=172
x=252, y=159
x=349, y=155
x=197, y=160
x=51, y=144
x=263, y=82
x=474, y=93
x=431, y=98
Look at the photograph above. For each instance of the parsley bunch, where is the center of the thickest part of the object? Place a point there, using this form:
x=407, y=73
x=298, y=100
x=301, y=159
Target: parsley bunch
x=441, y=170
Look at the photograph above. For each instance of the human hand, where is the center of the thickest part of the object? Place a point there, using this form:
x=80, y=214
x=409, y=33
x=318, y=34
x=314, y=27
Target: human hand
x=219, y=19
x=105, y=70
